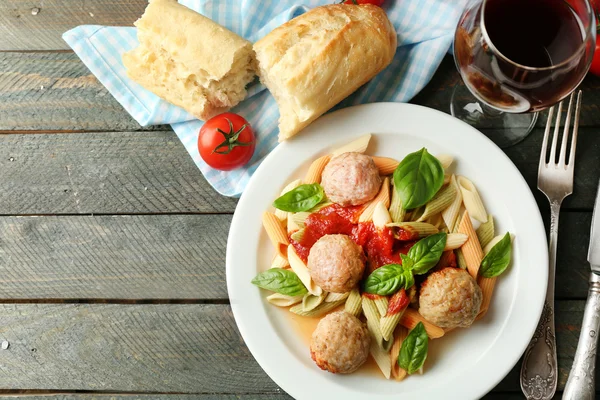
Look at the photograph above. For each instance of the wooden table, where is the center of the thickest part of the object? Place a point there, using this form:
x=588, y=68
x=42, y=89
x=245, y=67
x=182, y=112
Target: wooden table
x=112, y=244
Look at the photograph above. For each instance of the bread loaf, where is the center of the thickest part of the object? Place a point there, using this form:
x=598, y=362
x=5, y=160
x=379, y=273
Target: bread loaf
x=316, y=60
x=189, y=60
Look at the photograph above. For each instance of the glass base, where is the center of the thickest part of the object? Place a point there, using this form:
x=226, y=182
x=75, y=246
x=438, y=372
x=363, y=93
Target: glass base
x=504, y=129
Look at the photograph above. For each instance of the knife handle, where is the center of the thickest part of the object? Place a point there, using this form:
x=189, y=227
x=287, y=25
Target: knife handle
x=581, y=385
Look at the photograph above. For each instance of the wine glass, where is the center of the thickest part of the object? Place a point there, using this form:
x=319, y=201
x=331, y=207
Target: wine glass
x=518, y=57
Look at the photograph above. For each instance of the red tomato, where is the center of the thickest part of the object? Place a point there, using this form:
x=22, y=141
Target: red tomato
x=226, y=142
x=595, y=67
x=374, y=2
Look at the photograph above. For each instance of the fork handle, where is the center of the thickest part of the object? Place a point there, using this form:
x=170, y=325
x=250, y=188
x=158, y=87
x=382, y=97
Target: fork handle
x=581, y=385
x=539, y=371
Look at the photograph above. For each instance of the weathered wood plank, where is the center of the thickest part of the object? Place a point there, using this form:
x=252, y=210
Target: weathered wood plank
x=35, y=25
x=102, y=173
x=113, y=257
x=56, y=91
x=170, y=257
x=126, y=172
x=438, y=92
x=163, y=348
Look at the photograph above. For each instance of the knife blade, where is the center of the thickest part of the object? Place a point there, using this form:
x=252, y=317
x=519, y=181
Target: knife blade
x=594, y=251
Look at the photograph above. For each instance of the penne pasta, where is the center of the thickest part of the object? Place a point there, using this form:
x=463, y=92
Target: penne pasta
x=356, y=146
x=442, y=200
x=354, y=303
x=281, y=300
x=301, y=270
x=386, y=165
x=382, y=358
x=382, y=196
x=411, y=318
x=485, y=232
x=299, y=218
x=416, y=214
x=471, y=199
x=460, y=260
x=336, y=297
x=276, y=232
x=397, y=213
x=388, y=324
x=492, y=243
x=320, y=206
x=422, y=229
x=399, y=335
x=447, y=179
x=279, y=262
x=450, y=214
x=310, y=302
x=381, y=302
x=298, y=235
x=487, y=286
x=319, y=311
x=436, y=220
x=313, y=175
x=283, y=215
x=455, y=240
x=381, y=215
x=372, y=313
x=471, y=250
x=291, y=225
x=446, y=160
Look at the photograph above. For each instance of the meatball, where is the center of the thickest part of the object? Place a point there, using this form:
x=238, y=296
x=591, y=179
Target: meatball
x=336, y=263
x=351, y=179
x=340, y=344
x=450, y=298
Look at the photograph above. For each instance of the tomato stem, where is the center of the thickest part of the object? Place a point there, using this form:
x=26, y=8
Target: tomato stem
x=231, y=139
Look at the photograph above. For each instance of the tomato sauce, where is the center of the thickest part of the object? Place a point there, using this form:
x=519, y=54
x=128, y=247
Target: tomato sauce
x=379, y=245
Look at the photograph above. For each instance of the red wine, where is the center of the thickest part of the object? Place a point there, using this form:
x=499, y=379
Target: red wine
x=533, y=55
x=533, y=33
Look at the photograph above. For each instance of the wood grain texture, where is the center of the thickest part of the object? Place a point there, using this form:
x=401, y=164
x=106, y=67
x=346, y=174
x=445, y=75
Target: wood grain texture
x=113, y=257
x=165, y=348
x=102, y=173
x=56, y=91
x=39, y=25
x=170, y=257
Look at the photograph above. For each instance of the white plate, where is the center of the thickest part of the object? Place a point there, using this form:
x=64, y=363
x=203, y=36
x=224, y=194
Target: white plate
x=466, y=363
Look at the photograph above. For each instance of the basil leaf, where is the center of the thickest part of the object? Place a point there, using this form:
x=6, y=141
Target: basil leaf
x=388, y=279
x=418, y=178
x=301, y=198
x=413, y=352
x=496, y=261
x=426, y=253
x=280, y=281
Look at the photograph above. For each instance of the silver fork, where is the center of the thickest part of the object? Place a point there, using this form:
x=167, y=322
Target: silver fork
x=539, y=372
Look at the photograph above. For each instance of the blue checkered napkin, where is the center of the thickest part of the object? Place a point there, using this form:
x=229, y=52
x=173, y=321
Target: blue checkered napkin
x=425, y=31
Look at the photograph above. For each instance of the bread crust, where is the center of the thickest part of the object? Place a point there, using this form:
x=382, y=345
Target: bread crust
x=316, y=60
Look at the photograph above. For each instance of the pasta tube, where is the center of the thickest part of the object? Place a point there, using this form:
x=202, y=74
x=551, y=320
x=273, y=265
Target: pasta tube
x=310, y=302
x=276, y=232
x=381, y=302
x=388, y=324
x=413, y=229
x=320, y=206
x=460, y=259
x=373, y=316
x=301, y=270
x=299, y=218
x=281, y=300
x=396, y=211
x=455, y=240
x=356, y=146
x=336, y=297
x=291, y=225
x=313, y=175
x=386, y=165
x=471, y=250
x=485, y=232
x=446, y=160
x=399, y=335
x=442, y=200
x=318, y=311
x=279, y=262
x=298, y=235
x=354, y=303
x=382, y=358
x=411, y=318
x=381, y=216
x=472, y=200
x=382, y=196
x=487, y=286
x=283, y=215
x=450, y=214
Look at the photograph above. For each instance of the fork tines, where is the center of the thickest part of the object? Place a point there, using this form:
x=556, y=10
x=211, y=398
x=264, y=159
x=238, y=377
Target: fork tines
x=562, y=160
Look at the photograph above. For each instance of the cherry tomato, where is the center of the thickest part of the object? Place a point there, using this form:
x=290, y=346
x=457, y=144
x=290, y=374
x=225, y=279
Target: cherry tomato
x=226, y=142
x=374, y=2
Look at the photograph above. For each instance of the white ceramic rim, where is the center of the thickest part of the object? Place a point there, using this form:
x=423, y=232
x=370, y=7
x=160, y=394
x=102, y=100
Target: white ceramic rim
x=251, y=311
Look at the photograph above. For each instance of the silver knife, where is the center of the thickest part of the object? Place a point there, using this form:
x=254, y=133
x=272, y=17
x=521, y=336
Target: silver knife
x=581, y=385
